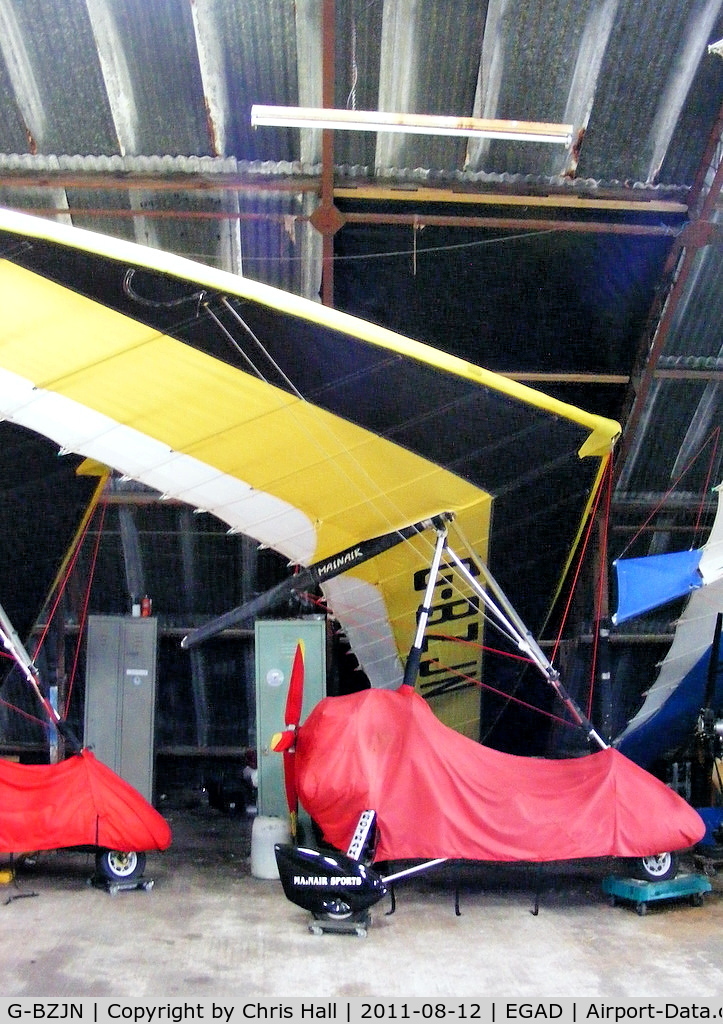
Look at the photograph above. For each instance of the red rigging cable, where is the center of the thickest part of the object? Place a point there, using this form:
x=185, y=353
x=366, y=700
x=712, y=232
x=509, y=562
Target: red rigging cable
x=481, y=647
x=74, y=548
x=607, y=488
x=62, y=581
x=581, y=559
x=715, y=437
x=712, y=438
x=58, y=590
x=508, y=696
x=21, y=711
x=84, y=614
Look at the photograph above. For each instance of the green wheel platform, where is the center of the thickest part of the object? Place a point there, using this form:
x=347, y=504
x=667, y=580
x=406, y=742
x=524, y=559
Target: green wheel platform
x=633, y=890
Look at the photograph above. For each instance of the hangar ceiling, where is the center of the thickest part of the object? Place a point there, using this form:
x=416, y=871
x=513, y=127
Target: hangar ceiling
x=592, y=271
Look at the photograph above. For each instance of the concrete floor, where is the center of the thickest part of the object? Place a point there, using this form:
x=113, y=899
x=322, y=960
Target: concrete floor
x=208, y=928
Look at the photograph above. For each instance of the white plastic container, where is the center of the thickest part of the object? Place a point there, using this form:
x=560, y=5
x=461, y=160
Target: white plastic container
x=265, y=832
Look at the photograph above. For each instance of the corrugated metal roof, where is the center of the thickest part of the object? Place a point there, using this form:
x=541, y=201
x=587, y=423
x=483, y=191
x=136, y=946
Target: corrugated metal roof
x=176, y=78
x=134, y=119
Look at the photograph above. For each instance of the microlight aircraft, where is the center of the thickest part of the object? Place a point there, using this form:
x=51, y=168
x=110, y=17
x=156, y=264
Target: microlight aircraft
x=690, y=675
x=78, y=802
x=349, y=449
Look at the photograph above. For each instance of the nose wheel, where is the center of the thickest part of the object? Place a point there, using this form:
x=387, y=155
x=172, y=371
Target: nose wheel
x=341, y=922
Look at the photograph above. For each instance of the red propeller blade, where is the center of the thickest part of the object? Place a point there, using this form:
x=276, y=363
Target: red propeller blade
x=295, y=697
x=290, y=785
x=285, y=741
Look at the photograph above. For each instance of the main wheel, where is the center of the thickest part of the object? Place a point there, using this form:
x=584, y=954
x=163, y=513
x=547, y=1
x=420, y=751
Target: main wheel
x=119, y=866
x=659, y=867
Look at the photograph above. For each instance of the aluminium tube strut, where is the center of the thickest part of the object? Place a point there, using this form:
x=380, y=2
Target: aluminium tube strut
x=524, y=639
x=14, y=646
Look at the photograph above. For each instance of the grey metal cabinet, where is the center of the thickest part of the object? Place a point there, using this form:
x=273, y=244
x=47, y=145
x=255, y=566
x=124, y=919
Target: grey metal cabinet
x=120, y=695
x=276, y=641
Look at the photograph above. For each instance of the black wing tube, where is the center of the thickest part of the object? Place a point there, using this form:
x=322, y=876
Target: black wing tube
x=312, y=575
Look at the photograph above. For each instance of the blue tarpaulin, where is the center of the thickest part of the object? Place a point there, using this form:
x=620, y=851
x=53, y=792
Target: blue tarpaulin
x=647, y=583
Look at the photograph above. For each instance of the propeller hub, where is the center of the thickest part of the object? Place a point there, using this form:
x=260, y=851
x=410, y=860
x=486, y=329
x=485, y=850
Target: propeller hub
x=281, y=741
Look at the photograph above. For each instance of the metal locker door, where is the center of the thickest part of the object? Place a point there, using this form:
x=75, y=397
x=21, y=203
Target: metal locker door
x=276, y=642
x=120, y=696
x=138, y=681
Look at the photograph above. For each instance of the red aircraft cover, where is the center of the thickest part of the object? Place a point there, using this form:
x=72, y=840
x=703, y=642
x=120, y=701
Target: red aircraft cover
x=440, y=794
x=77, y=802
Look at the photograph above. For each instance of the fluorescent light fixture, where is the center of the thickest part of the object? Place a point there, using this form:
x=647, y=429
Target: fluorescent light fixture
x=414, y=124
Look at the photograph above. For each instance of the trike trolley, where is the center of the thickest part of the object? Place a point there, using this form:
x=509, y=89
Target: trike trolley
x=634, y=890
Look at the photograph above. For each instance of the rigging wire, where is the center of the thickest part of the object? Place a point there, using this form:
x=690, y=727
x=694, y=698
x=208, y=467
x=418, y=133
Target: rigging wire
x=58, y=590
x=329, y=446
x=713, y=439
x=234, y=312
x=600, y=590
x=244, y=356
x=711, y=463
x=203, y=300
x=481, y=647
x=581, y=558
x=16, y=707
x=61, y=585
x=314, y=437
x=510, y=698
x=416, y=251
x=424, y=250
x=333, y=443
x=463, y=680
x=337, y=445
x=22, y=712
x=351, y=97
x=459, y=680
x=84, y=612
